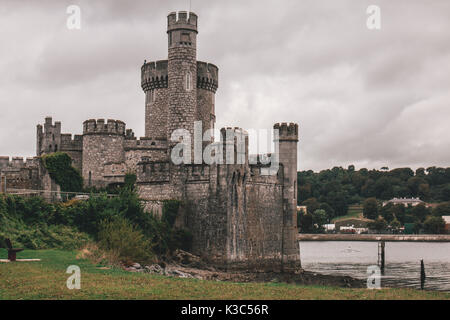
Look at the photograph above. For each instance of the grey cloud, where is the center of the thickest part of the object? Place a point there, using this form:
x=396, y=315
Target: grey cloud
x=369, y=98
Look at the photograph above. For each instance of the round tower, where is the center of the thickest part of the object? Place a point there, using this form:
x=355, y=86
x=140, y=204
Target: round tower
x=207, y=84
x=102, y=146
x=154, y=82
x=182, y=72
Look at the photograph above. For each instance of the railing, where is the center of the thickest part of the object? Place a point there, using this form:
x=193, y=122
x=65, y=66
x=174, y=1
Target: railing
x=55, y=196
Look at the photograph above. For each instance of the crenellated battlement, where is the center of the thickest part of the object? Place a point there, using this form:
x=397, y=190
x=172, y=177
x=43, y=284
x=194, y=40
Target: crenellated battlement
x=154, y=75
x=207, y=76
x=111, y=127
x=287, y=132
x=69, y=142
x=182, y=20
x=18, y=163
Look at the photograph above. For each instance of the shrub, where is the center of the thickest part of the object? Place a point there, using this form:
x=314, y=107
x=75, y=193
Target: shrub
x=59, y=166
x=125, y=241
x=434, y=225
x=170, y=211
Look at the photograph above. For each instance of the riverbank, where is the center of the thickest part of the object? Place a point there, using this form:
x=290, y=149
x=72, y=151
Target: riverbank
x=374, y=237
x=46, y=279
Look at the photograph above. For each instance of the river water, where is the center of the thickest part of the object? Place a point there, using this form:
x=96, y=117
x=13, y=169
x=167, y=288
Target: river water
x=402, y=266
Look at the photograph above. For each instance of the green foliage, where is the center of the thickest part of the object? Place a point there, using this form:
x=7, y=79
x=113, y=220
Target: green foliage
x=130, y=181
x=442, y=209
x=34, y=223
x=420, y=212
x=59, y=166
x=124, y=240
x=370, y=208
x=170, y=211
x=395, y=224
x=339, y=187
x=379, y=224
x=312, y=222
x=434, y=225
x=24, y=229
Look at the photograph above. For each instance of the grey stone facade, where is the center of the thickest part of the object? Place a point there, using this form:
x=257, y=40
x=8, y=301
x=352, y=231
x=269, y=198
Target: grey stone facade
x=239, y=217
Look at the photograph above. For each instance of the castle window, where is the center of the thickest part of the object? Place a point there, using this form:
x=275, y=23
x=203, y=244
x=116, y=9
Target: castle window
x=185, y=38
x=188, y=81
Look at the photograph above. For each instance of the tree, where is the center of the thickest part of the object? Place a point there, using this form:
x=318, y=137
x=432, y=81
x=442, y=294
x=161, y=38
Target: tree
x=420, y=212
x=328, y=209
x=395, y=225
x=434, y=225
x=399, y=212
x=319, y=218
x=379, y=224
x=387, y=211
x=442, y=209
x=305, y=222
x=370, y=208
x=312, y=204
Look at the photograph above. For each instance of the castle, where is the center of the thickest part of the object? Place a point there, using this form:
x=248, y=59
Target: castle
x=238, y=216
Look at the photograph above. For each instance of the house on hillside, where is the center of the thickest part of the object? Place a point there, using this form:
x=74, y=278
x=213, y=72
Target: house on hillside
x=405, y=201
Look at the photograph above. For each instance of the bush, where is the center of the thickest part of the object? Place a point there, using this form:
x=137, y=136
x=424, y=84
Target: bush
x=59, y=166
x=125, y=241
x=170, y=211
x=434, y=225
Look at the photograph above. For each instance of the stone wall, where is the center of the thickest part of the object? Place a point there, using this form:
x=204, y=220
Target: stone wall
x=20, y=174
x=102, y=146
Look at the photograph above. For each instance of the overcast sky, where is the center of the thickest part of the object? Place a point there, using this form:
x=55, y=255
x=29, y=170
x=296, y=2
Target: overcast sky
x=371, y=98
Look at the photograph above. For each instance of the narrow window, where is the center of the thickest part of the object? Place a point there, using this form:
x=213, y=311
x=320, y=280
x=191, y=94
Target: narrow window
x=188, y=81
x=153, y=95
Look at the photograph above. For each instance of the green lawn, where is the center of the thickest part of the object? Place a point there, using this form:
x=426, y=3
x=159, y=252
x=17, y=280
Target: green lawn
x=352, y=212
x=47, y=280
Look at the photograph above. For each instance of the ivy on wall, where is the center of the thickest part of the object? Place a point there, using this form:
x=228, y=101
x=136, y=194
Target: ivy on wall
x=59, y=166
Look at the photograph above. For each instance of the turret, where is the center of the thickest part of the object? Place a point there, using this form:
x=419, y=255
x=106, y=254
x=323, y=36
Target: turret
x=154, y=82
x=207, y=84
x=286, y=135
x=182, y=72
x=48, y=137
x=103, y=145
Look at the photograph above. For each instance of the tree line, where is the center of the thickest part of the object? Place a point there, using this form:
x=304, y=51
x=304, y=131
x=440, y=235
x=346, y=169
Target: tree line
x=333, y=190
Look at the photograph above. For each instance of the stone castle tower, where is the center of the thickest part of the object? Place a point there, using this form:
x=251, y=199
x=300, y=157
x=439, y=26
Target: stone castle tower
x=239, y=216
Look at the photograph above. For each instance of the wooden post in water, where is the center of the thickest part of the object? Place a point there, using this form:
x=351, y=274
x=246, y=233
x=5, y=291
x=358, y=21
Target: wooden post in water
x=422, y=274
x=381, y=260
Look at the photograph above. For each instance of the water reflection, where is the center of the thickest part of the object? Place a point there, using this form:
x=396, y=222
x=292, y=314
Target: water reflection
x=402, y=267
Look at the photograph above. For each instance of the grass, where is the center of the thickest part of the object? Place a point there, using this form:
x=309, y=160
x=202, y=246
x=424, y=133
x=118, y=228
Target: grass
x=354, y=211
x=47, y=280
